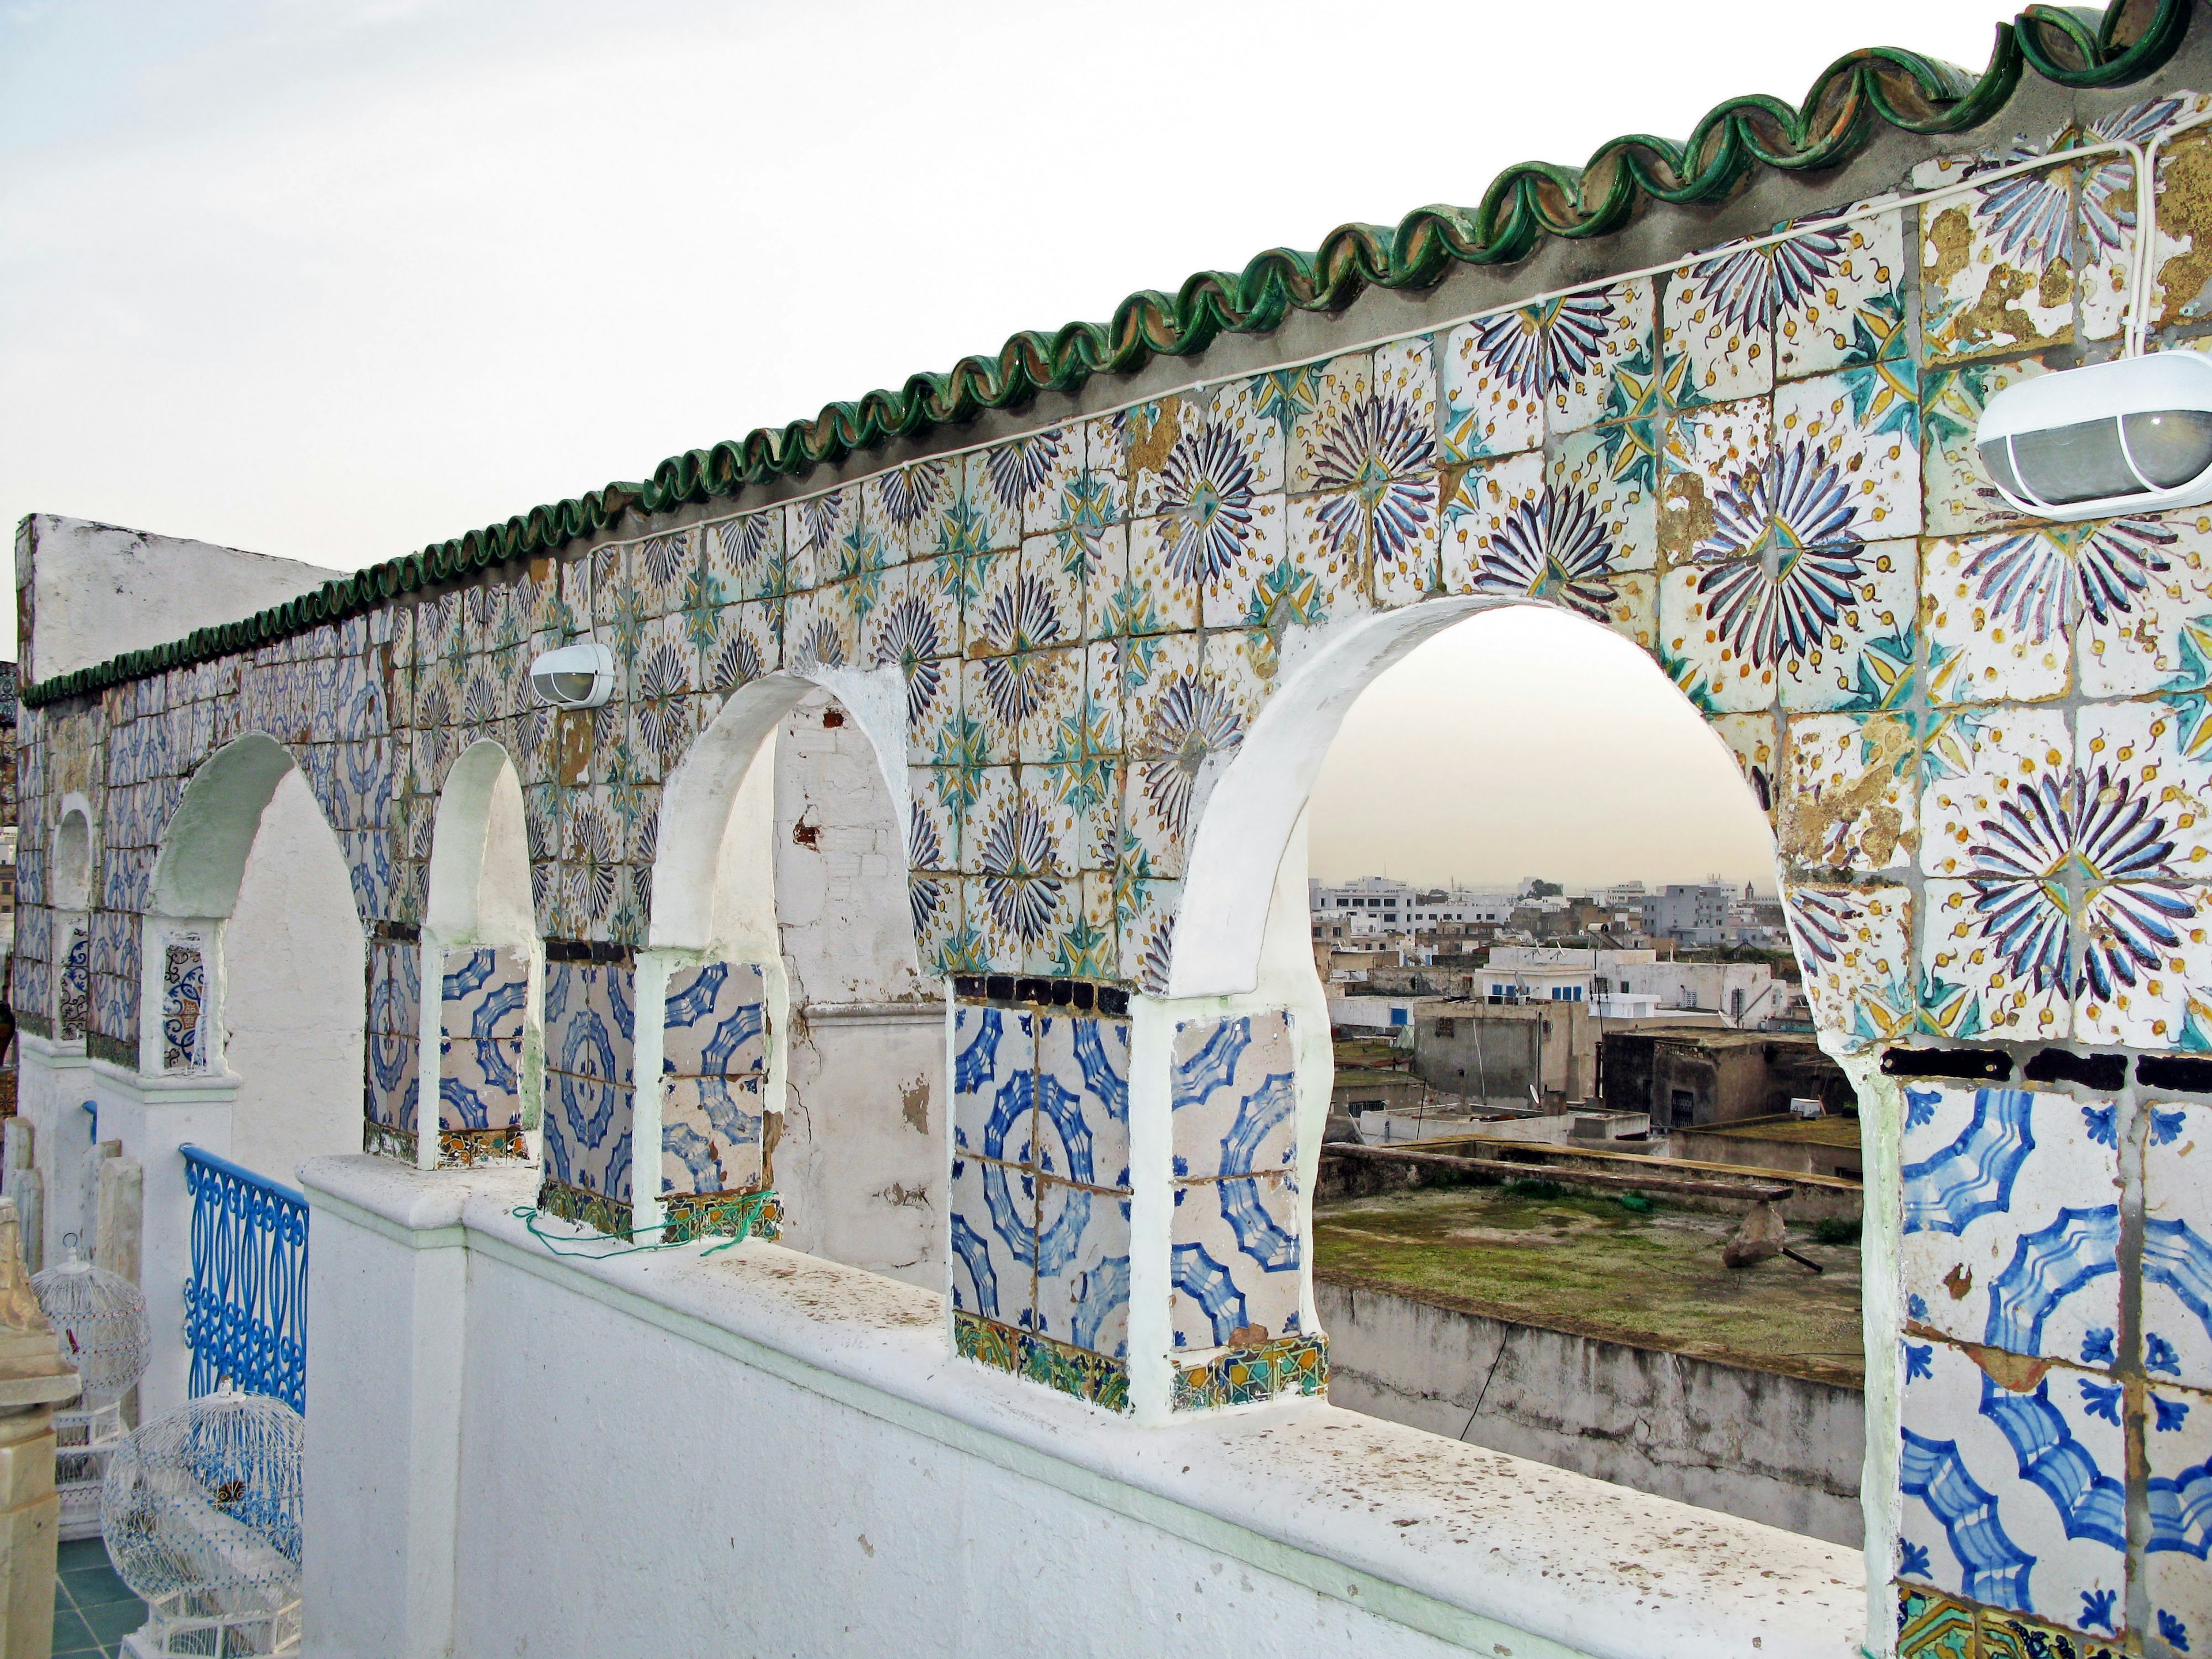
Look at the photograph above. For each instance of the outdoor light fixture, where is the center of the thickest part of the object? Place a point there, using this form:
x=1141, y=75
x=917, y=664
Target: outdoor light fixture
x=2133, y=435
x=574, y=677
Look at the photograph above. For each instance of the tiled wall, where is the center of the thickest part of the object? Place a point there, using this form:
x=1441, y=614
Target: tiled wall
x=1982, y=741
x=589, y=1038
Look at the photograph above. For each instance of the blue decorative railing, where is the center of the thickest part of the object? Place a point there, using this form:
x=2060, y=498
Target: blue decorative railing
x=245, y=1303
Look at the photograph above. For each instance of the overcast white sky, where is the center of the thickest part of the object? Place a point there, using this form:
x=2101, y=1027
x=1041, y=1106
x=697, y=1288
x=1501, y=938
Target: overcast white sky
x=331, y=279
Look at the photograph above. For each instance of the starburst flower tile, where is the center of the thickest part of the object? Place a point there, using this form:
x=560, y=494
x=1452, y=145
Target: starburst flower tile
x=1754, y=744
x=1340, y=389
x=1490, y=496
x=2142, y=763
x=1854, y=946
x=1260, y=545
x=1993, y=962
x=1709, y=449
x=1494, y=376
x=1716, y=329
x=1583, y=481
x=1163, y=592
x=1839, y=296
x=1965, y=813
x=1850, y=799
x=2012, y=1220
x=2141, y=592
x=1996, y=273
x=1867, y=442
x=991, y=804
x=1996, y=615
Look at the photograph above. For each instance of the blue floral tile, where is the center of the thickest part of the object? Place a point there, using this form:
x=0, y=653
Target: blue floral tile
x=2142, y=606
x=479, y=1083
x=993, y=1082
x=710, y=1135
x=587, y=1141
x=589, y=1026
x=716, y=1021
x=486, y=994
x=1235, y=1096
x=2177, y=1563
x=1234, y=1261
x=2015, y=1499
x=2177, y=1271
x=994, y=1236
x=2012, y=1220
x=1082, y=1099
x=1717, y=328
x=1082, y=1267
x=1854, y=947
x=1839, y=296
x=184, y=1004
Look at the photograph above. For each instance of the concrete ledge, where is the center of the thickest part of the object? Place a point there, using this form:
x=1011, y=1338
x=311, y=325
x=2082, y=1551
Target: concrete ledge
x=1485, y=1552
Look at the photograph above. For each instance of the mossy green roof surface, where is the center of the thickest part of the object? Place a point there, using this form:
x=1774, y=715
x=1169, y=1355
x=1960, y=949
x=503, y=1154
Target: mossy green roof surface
x=1857, y=96
x=1589, y=1267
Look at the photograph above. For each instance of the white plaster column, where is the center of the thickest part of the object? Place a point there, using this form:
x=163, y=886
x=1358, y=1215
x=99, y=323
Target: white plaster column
x=153, y=1117
x=54, y=1081
x=387, y=1282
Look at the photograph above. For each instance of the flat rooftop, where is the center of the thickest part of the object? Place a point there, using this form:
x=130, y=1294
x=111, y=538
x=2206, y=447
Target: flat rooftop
x=1588, y=1266
x=1837, y=1131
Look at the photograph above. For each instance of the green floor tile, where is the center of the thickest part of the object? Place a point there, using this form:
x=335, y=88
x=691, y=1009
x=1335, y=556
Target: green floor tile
x=90, y=1590
x=71, y=1634
x=113, y=1621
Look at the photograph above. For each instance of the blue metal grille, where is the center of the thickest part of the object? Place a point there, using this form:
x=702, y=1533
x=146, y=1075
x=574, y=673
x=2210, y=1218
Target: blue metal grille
x=245, y=1303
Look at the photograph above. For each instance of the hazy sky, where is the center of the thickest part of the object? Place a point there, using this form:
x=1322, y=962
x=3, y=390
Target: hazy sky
x=332, y=279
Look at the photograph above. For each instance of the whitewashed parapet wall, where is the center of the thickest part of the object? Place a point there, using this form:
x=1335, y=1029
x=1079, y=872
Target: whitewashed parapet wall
x=1099, y=664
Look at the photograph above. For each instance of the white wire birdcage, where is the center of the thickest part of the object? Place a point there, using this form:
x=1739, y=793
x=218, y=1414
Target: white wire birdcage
x=201, y=1515
x=100, y=1321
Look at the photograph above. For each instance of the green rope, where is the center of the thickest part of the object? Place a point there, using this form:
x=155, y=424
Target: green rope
x=747, y=1210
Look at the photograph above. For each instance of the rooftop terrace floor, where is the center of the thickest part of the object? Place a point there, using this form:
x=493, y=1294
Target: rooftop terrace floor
x=1590, y=1266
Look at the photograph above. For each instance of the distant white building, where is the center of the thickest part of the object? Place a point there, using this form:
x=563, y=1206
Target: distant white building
x=1386, y=903
x=1741, y=992
x=1690, y=914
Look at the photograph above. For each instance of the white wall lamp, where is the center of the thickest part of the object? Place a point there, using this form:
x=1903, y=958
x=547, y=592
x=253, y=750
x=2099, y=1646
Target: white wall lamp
x=2133, y=435
x=574, y=677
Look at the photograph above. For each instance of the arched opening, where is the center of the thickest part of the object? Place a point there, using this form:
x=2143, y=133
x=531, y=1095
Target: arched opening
x=783, y=861
x=253, y=961
x=481, y=1054
x=1592, y=1285
x=70, y=885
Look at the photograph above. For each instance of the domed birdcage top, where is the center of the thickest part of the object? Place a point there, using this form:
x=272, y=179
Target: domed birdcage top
x=205, y=1501
x=100, y=1319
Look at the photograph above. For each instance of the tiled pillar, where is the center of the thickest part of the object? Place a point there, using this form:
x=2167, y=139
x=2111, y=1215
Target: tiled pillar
x=1128, y=1224
x=392, y=1092
x=711, y=1044
x=590, y=1091
x=479, y=1051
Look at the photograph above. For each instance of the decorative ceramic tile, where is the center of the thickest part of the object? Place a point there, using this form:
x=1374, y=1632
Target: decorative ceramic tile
x=915, y=500
x=2177, y=1563
x=2177, y=1273
x=1754, y=745
x=184, y=999
x=1709, y=449
x=1234, y=1259
x=1235, y=1096
x=1932, y=1626
x=715, y=1021
x=1994, y=958
x=1716, y=327
x=1864, y=441
x=1145, y=911
x=2151, y=629
x=2012, y=1635
x=73, y=987
x=589, y=1026
x=1082, y=1296
x=2015, y=1499
x=1854, y=947
x=994, y=1236
x=710, y=1135
x=587, y=1139
x=1995, y=271
x=1852, y=796
x=486, y=994
x=1253, y=1376
x=479, y=1083
x=1965, y=812
x=1082, y=1099
x=1838, y=292
x=2012, y=1220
